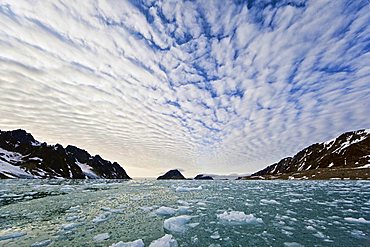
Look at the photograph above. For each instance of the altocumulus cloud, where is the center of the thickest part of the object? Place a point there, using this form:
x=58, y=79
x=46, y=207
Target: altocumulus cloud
x=206, y=86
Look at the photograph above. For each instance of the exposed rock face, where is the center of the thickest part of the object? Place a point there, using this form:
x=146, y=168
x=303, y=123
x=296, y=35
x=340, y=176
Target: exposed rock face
x=203, y=177
x=21, y=156
x=346, y=156
x=172, y=174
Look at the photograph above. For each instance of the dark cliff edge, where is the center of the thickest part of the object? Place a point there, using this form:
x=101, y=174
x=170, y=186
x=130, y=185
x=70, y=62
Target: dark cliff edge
x=21, y=156
x=345, y=157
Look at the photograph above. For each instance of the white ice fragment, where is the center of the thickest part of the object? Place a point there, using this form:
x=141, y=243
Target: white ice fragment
x=292, y=244
x=270, y=201
x=70, y=226
x=359, y=220
x=136, y=243
x=165, y=241
x=42, y=243
x=186, y=189
x=12, y=235
x=165, y=211
x=177, y=224
x=101, y=218
x=215, y=235
x=101, y=237
x=237, y=217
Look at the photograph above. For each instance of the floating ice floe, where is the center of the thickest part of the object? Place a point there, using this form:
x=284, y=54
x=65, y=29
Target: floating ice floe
x=113, y=210
x=292, y=244
x=101, y=218
x=136, y=243
x=12, y=235
x=165, y=241
x=215, y=235
x=177, y=224
x=359, y=220
x=42, y=243
x=70, y=226
x=270, y=201
x=165, y=211
x=237, y=217
x=186, y=189
x=101, y=237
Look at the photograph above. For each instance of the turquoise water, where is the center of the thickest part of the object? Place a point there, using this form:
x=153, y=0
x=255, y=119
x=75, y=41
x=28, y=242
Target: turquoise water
x=212, y=213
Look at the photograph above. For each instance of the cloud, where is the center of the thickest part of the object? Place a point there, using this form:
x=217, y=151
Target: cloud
x=202, y=86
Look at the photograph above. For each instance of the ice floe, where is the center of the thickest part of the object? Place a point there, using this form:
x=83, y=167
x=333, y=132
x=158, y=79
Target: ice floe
x=12, y=235
x=265, y=201
x=101, y=237
x=165, y=241
x=359, y=220
x=43, y=243
x=136, y=243
x=186, y=189
x=165, y=211
x=237, y=217
x=177, y=224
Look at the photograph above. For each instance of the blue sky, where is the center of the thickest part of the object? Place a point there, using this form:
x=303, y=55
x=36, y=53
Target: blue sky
x=204, y=86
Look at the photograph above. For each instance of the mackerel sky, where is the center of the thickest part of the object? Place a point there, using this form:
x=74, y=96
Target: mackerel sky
x=203, y=86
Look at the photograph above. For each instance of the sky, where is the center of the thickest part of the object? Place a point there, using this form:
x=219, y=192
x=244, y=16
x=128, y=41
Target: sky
x=203, y=86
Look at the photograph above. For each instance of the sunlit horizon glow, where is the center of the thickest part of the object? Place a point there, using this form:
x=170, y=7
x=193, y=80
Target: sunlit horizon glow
x=206, y=86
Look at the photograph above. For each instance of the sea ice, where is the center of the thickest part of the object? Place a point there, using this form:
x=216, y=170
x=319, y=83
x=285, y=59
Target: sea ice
x=237, y=217
x=186, y=189
x=136, y=243
x=177, y=224
x=42, y=243
x=165, y=211
x=293, y=244
x=12, y=235
x=359, y=220
x=270, y=201
x=70, y=226
x=101, y=237
x=165, y=241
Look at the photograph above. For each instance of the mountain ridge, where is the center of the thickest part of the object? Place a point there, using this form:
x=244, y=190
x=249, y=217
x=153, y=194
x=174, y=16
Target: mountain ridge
x=347, y=156
x=21, y=156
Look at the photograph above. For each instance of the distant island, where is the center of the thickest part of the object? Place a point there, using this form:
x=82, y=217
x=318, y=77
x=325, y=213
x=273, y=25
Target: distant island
x=203, y=177
x=345, y=157
x=21, y=156
x=172, y=174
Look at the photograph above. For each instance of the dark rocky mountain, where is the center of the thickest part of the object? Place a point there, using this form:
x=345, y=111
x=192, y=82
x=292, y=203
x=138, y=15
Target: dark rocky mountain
x=347, y=156
x=172, y=174
x=21, y=156
x=203, y=177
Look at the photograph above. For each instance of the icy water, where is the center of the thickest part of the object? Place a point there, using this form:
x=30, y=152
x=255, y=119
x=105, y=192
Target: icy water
x=195, y=213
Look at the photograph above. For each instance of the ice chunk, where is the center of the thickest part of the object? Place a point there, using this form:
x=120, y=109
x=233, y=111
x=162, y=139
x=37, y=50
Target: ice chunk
x=237, y=217
x=136, y=243
x=165, y=241
x=101, y=218
x=177, y=224
x=215, y=235
x=165, y=211
x=101, y=237
x=270, y=201
x=70, y=226
x=12, y=235
x=42, y=243
x=186, y=189
x=359, y=220
x=292, y=244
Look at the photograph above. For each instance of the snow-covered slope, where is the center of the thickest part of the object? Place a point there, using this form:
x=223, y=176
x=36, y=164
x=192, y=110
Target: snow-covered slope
x=350, y=150
x=21, y=156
